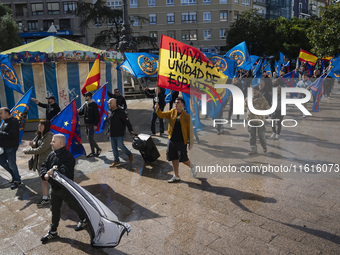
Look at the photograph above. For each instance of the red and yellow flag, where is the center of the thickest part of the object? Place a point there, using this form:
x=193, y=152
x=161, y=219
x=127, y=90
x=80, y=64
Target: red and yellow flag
x=308, y=57
x=181, y=64
x=93, y=79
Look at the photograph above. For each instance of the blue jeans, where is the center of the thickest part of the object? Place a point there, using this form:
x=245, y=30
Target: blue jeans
x=118, y=142
x=8, y=160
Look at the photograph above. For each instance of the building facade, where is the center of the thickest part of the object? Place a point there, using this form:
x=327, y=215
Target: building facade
x=35, y=17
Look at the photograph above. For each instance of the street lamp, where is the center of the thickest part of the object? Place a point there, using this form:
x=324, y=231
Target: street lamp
x=126, y=42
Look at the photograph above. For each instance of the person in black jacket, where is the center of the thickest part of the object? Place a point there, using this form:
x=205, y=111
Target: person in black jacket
x=118, y=120
x=65, y=163
x=91, y=119
x=52, y=108
x=158, y=95
x=119, y=99
x=9, y=141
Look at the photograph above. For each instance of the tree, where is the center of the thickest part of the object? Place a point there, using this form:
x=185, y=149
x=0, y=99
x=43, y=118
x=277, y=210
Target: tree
x=324, y=34
x=9, y=30
x=109, y=37
x=254, y=30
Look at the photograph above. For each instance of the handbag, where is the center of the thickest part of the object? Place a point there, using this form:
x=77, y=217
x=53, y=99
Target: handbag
x=30, y=163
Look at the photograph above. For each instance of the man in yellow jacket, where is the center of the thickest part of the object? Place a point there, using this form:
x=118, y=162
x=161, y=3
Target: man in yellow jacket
x=181, y=136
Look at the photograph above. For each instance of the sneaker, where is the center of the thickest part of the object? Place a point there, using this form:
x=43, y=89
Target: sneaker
x=43, y=202
x=49, y=236
x=91, y=155
x=272, y=136
x=193, y=171
x=252, y=153
x=98, y=152
x=115, y=163
x=11, y=181
x=277, y=137
x=131, y=159
x=174, y=179
x=15, y=185
x=81, y=225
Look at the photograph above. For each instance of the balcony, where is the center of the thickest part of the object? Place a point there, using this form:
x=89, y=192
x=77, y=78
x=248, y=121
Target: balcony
x=261, y=2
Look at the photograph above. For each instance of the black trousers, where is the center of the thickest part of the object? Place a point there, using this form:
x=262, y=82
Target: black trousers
x=57, y=198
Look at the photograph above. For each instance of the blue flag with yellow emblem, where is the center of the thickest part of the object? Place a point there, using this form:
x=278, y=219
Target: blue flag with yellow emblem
x=225, y=65
x=241, y=55
x=8, y=74
x=143, y=64
x=67, y=123
x=101, y=99
x=316, y=89
x=20, y=111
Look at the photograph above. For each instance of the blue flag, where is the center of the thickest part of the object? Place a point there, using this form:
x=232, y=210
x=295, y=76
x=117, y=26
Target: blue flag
x=283, y=59
x=266, y=68
x=190, y=101
x=291, y=79
x=225, y=65
x=20, y=111
x=253, y=59
x=168, y=95
x=125, y=66
x=143, y=64
x=335, y=68
x=257, y=74
x=277, y=67
x=316, y=89
x=8, y=74
x=101, y=99
x=241, y=55
x=66, y=122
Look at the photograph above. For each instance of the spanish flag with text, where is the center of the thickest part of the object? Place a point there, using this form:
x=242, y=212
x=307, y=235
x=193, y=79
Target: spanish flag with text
x=93, y=79
x=308, y=57
x=181, y=64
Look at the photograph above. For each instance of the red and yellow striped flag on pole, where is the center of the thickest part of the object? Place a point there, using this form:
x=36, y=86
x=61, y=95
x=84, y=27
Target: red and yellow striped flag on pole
x=93, y=79
x=181, y=64
x=308, y=57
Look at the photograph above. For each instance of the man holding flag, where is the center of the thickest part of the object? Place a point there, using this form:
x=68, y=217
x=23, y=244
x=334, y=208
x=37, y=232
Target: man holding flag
x=91, y=119
x=9, y=141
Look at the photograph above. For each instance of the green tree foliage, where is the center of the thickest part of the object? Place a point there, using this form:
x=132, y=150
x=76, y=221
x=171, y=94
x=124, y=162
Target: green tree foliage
x=109, y=37
x=269, y=37
x=324, y=35
x=9, y=30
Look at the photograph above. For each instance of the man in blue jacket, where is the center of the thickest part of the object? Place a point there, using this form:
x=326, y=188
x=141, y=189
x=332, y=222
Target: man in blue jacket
x=9, y=141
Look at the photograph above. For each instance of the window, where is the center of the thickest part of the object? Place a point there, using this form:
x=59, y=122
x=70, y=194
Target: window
x=207, y=34
x=133, y=3
x=171, y=18
x=152, y=19
x=236, y=1
x=47, y=24
x=152, y=3
x=134, y=21
x=235, y=16
x=153, y=34
x=223, y=1
x=19, y=10
x=37, y=9
x=246, y=2
x=115, y=4
x=32, y=26
x=188, y=2
x=53, y=8
x=223, y=15
x=207, y=17
x=223, y=33
x=189, y=17
x=169, y=2
x=65, y=24
x=70, y=7
x=98, y=22
x=300, y=7
x=206, y=1
x=189, y=35
x=171, y=33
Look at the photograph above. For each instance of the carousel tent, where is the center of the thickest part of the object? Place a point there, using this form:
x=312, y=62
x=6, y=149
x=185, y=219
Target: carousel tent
x=58, y=67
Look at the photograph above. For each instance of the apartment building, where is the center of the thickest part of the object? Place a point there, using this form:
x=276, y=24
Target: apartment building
x=35, y=17
x=200, y=23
